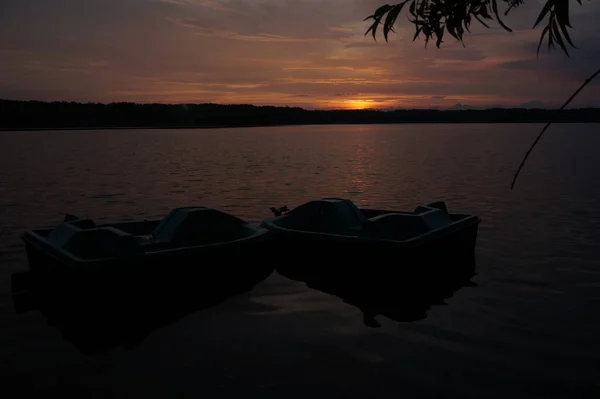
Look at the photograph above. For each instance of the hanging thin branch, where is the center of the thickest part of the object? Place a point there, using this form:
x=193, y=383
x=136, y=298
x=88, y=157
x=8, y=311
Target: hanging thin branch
x=588, y=80
x=433, y=18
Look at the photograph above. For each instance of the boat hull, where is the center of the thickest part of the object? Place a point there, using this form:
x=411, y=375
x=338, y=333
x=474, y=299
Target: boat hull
x=441, y=258
x=211, y=268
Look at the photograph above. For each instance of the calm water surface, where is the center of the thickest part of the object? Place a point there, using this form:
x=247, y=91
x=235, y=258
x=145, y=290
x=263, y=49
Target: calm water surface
x=528, y=329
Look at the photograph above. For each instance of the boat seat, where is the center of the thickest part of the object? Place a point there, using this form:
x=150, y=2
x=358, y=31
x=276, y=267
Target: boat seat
x=402, y=226
x=395, y=226
x=93, y=243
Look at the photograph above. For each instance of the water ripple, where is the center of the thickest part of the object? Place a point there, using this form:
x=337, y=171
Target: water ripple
x=528, y=329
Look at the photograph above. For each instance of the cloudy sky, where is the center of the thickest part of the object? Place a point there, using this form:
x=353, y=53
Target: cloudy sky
x=309, y=53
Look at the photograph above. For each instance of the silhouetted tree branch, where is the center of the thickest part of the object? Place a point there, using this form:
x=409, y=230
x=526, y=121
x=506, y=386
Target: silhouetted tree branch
x=587, y=81
x=433, y=18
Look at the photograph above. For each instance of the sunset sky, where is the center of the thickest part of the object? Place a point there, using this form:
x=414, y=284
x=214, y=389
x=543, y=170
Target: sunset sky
x=305, y=53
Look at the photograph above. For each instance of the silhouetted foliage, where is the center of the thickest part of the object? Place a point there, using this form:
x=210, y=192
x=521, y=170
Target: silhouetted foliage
x=71, y=115
x=433, y=18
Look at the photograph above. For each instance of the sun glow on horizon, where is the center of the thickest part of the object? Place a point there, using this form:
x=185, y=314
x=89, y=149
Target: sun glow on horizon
x=360, y=103
x=223, y=52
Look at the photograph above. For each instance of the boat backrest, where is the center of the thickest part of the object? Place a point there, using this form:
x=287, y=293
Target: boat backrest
x=436, y=218
x=437, y=205
x=197, y=224
x=329, y=215
x=62, y=234
x=402, y=226
x=169, y=224
x=347, y=211
x=84, y=223
x=421, y=209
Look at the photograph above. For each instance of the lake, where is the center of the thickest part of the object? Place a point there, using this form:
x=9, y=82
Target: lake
x=528, y=328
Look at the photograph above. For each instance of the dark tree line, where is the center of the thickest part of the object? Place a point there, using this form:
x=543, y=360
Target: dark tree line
x=61, y=115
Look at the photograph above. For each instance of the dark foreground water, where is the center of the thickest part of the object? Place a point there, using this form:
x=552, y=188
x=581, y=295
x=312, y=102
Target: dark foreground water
x=528, y=329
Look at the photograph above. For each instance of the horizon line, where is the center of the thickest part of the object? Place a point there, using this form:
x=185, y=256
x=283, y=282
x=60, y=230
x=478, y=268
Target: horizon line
x=382, y=109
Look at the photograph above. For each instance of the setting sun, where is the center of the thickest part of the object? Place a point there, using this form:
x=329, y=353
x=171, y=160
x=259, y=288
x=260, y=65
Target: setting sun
x=359, y=104
x=356, y=104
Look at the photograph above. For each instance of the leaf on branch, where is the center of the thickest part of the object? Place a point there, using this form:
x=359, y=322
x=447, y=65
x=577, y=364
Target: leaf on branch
x=544, y=12
x=433, y=18
x=391, y=19
x=379, y=13
x=495, y=9
x=544, y=33
x=558, y=24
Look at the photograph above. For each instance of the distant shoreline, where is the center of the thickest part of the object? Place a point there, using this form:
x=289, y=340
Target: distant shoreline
x=205, y=127
x=44, y=116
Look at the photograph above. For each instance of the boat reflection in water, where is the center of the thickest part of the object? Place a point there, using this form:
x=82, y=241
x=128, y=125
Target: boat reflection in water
x=401, y=301
x=104, y=285
x=95, y=325
x=396, y=263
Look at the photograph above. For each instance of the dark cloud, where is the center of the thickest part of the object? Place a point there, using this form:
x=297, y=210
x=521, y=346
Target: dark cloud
x=557, y=66
x=369, y=44
x=347, y=94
